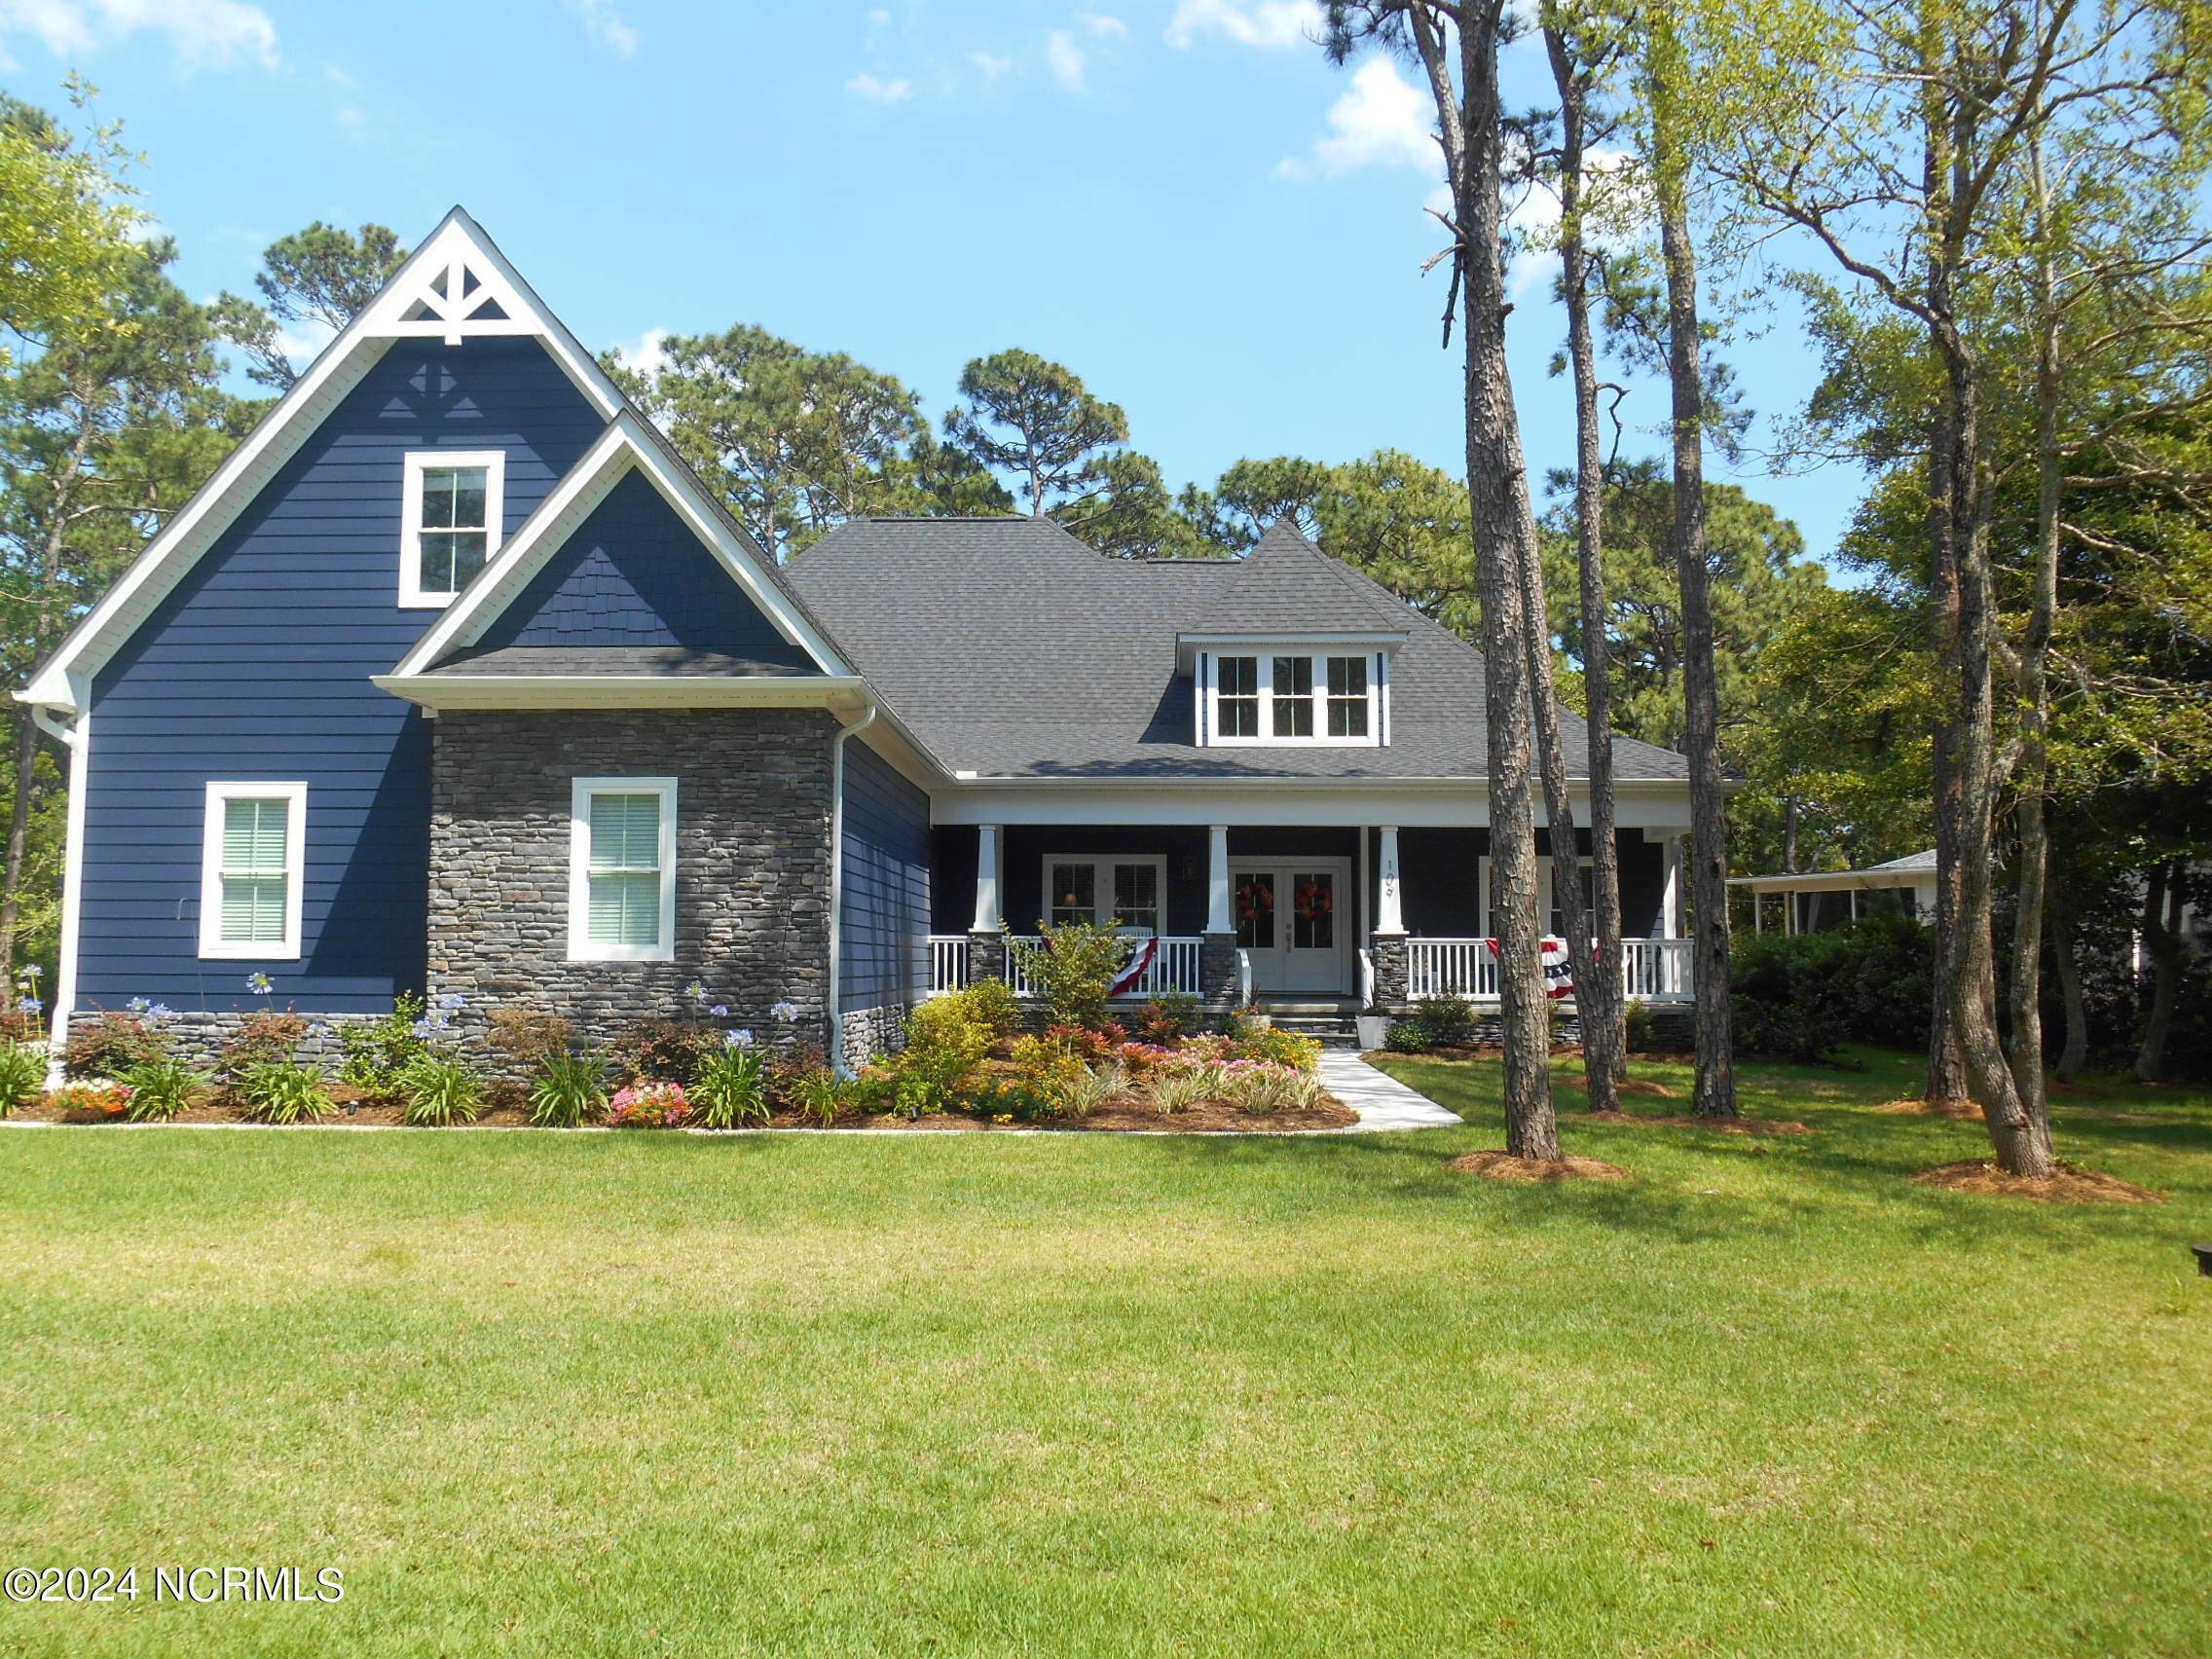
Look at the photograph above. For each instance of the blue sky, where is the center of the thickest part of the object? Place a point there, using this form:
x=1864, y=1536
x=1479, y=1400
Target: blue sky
x=1181, y=199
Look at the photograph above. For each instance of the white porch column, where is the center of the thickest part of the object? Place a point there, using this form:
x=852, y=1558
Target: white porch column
x=1671, y=896
x=1218, y=920
x=1389, y=902
x=987, y=878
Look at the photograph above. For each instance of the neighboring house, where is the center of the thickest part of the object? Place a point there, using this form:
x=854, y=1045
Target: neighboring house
x=454, y=679
x=1815, y=902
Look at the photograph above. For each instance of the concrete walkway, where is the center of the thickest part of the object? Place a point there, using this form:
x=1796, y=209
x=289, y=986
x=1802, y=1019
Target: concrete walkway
x=1382, y=1102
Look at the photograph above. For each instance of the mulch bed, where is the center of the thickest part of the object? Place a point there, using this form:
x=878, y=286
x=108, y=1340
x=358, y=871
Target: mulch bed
x=2070, y=1186
x=1505, y=1166
x=357, y=1109
x=1719, y=1125
x=1628, y=1085
x=1966, y=1110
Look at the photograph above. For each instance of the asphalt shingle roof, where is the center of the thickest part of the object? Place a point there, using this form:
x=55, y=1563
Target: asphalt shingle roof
x=1013, y=649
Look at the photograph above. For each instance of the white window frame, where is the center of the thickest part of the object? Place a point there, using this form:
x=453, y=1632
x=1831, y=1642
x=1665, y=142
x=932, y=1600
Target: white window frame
x=582, y=947
x=1102, y=884
x=1211, y=736
x=214, y=946
x=412, y=596
x=1543, y=889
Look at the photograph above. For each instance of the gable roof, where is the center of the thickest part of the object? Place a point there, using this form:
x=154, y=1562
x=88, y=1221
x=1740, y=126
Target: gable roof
x=627, y=447
x=1014, y=650
x=455, y=284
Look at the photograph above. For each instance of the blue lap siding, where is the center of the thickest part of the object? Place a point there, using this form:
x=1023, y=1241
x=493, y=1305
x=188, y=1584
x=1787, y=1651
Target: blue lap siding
x=634, y=573
x=883, y=935
x=257, y=668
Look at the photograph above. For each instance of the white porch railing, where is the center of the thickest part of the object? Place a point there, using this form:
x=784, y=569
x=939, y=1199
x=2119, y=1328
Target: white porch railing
x=948, y=963
x=1174, y=965
x=1652, y=970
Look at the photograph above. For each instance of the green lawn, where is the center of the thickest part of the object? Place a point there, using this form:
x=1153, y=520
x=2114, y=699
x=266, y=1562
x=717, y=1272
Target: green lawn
x=638, y=1393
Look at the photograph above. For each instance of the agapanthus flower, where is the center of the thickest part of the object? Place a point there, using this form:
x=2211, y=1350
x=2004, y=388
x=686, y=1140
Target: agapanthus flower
x=258, y=984
x=33, y=973
x=720, y=1010
x=741, y=1038
x=695, y=991
x=784, y=1010
x=453, y=999
x=137, y=1005
x=31, y=1004
x=160, y=1010
x=421, y=1028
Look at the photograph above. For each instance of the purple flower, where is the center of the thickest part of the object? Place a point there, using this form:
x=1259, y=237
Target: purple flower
x=741, y=1038
x=695, y=991
x=720, y=1010
x=137, y=1005
x=421, y=1028
x=258, y=984
x=453, y=999
x=33, y=973
x=160, y=1010
x=784, y=1010
x=31, y=1004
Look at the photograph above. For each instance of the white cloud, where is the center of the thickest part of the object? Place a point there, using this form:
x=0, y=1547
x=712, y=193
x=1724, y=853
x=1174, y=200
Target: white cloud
x=866, y=86
x=647, y=354
x=304, y=343
x=1105, y=28
x=1066, y=60
x=1382, y=121
x=205, y=33
x=606, y=26
x=1261, y=23
x=990, y=66
x=1617, y=213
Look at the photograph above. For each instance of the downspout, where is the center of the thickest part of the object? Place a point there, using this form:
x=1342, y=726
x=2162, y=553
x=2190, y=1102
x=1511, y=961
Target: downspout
x=837, y=993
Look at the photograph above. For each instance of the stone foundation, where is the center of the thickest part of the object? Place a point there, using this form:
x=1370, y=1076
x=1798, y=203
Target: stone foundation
x=198, y=1039
x=1217, y=970
x=873, y=1031
x=1387, y=953
x=752, y=867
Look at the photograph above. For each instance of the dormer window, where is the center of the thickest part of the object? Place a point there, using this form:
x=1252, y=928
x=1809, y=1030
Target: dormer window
x=1296, y=695
x=450, y=522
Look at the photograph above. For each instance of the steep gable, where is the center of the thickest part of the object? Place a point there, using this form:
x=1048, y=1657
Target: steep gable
x=633, y=574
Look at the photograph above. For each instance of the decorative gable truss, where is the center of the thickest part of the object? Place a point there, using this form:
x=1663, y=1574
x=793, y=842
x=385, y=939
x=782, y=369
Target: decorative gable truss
x=437, y=673
x=456, y=286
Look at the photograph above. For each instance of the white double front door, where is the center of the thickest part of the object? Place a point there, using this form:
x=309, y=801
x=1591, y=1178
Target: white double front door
x=1294, y=922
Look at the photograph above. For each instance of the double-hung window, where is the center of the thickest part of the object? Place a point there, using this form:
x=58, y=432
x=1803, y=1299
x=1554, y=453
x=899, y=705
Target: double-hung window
x=451, y=509
x=622, y=869
x=251, y=857
x=1293, y=696
x=1122, y=892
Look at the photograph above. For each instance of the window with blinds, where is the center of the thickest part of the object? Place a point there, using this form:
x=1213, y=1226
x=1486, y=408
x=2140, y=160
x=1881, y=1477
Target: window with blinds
x=622, y=869
x=249, y=871
x=255, y=837
x=624, y=873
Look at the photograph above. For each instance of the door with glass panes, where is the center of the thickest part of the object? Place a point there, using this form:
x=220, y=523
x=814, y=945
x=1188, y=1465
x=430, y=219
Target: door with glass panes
x=1294, y=924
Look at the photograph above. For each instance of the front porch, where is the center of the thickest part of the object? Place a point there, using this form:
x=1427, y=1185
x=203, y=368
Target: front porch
x=1320, y=919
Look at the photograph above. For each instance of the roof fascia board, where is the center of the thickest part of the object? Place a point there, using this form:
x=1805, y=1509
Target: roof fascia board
x=436, y=692
x=64, y=680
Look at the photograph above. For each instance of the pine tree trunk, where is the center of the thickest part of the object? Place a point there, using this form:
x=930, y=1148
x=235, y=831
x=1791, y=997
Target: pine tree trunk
x=1716, y=1089
x=1599, y=1005
x=2162, y=939
x=1504, y=523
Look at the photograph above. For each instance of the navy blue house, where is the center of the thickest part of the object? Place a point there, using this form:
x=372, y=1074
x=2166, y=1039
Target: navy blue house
x=454, y=679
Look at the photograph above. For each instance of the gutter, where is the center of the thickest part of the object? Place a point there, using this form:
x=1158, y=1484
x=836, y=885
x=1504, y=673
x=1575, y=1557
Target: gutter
x=835, y=996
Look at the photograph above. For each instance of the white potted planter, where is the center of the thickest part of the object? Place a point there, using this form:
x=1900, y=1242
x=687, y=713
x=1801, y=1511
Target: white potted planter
x=1373, y=1030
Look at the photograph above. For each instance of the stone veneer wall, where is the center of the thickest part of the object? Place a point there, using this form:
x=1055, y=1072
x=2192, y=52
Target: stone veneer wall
x=199, y=1038
x=751, y=864
x=872, y=1031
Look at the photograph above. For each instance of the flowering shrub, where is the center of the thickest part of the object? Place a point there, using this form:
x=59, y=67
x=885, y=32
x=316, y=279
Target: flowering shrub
x=98, y=1100
x=1073, y=968
x=651, y=1105
x=1281, y=1047
x=114, y=1043
x=665, y=1049
x=945, y=1047
x=1049, y=1072
x=992, y=1005
x=266, y=1037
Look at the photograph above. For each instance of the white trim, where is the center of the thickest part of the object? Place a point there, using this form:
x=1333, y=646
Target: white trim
x=249, y=468
x=1316, y=698
x=625, y=446
x=1220, y=917
x=214, y=946
x=79, y=742
x=582, y=947
x=1390, y=901
x=1426, y=804
x=1102, y=891
x=412, y=594
x=990, y=910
